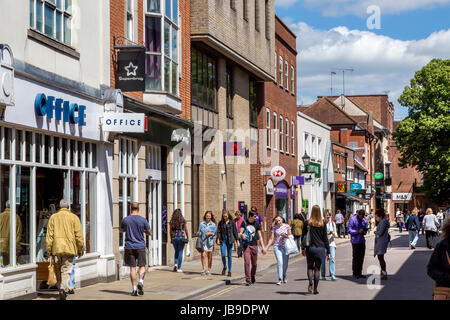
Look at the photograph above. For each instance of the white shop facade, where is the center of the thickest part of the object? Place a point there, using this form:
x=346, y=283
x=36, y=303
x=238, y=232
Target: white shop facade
x=52, y=147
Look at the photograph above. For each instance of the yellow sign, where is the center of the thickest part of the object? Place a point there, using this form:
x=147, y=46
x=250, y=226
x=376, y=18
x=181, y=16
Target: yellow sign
x=340, y=187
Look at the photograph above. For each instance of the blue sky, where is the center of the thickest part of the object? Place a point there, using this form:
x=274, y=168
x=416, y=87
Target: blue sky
x=334, y=34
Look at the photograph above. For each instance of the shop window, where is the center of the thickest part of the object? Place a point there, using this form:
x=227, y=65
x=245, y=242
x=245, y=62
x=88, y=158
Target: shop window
x=94, y=155
x=178, y=181
x=18, y=144
x=72, y=152
x=56, y=149
x=90, y=212
x=5, y=234
x=53, y=18
x=65, y=160
x=24, y=216
x=7, y=141
x=47, y=149
x=28, y=146
x=121, y=213
x=80, y=151
x=203, y=79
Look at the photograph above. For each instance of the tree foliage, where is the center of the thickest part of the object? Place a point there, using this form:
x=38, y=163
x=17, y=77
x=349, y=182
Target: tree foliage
x=423, y=138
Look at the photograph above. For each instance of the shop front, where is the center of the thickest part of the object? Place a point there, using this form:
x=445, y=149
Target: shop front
x=282, y=200
x=51, y=149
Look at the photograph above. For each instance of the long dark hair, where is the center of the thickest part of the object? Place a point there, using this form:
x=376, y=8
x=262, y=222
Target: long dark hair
x=222, y=219
x=380, y=213
x=177, y=219
x=212, y=216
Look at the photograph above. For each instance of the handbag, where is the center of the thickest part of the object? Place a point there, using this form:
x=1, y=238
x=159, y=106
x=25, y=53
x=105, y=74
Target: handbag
x=291, y=246
x=52, y=280
x=199, y=244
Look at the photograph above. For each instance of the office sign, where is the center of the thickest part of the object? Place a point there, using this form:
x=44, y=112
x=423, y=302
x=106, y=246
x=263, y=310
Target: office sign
x=314, y=168
x=355, y=186
x=233, y=149
x=60, y=109
x=401, y=196
x=130, y=75
x=124, y=122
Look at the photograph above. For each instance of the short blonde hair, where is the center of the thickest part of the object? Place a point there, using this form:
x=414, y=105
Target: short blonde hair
x=429, y=211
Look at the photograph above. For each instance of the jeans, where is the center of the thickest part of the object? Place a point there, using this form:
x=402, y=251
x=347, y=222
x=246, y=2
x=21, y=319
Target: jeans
x=298, y=241
x=282, y=261
x=422, y=227
x=332, y=263
x=400, y=225
x=226, y=250
x=359, y=251
x=250, y=256
x=413, y=238
x=178, y=245
x=339, y=227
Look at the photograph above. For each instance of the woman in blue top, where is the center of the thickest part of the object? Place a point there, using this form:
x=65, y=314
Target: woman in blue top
x=207, y=231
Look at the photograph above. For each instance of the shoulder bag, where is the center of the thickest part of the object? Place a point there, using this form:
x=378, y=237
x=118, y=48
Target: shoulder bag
x=442, y=293
x=290, y=245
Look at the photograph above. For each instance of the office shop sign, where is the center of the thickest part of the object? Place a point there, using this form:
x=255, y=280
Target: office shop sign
x=130, y=73
x=53, y=107
x=124, y=122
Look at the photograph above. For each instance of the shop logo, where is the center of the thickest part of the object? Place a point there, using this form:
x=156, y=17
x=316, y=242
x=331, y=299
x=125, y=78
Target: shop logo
x=132, y=67
x=60, y=109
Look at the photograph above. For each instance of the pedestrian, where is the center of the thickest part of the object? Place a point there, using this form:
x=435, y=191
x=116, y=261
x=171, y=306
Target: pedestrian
x=440, y=216
x=250, y=233
x=259, y=219
x=65, y=241
x=207, y=230
x=280, y=232
x=297, y=229
x=346, y=221
x=238, y=220
x=315, y=247
x=431, y=225
x=438, y=267
x=339, y=219
x=382, y=239
x=331, y=234
x=421, y=217
x=180, y=237
x=357, y=228
x=135, y=255
x=400, y=219
x=227, y=234
x=413, y=227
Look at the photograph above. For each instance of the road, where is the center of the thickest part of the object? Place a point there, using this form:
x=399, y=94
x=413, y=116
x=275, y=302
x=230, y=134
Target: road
x=406, y=268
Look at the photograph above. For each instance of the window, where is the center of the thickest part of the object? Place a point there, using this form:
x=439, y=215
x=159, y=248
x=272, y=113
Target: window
x=53, y=18
x=319, y=149
x=244, y=5
x=281, y=133
x=257, y=15
x=275, y=132
x=307, y=145
x=293, y=137
x=292, y=80
x=162, y=67
x=129, y=30
x=230, y=93
x=286, y=74
x=287, y=136
x=313, y=148
x=349, y=174
x=275, y=67
x=268, y=128
x=280, y=67
x=178, y=181
x=233, y=4
x=267, y=18
x=252, y=103
x=203, y=79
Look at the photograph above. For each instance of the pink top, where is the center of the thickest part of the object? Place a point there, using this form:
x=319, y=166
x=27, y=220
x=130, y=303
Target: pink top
x=238, y=224
x=279, y=240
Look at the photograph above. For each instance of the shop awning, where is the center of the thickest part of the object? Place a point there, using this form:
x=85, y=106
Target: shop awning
x=345, y=194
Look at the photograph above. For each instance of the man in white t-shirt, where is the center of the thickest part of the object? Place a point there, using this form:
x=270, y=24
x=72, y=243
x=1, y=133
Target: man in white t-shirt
x=339, y=218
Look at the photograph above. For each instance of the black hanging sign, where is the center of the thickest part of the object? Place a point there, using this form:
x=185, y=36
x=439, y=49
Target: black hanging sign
x=131, y=69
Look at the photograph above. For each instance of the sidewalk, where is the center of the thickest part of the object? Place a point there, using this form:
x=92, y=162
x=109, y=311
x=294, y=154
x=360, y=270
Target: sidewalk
x=161, y=283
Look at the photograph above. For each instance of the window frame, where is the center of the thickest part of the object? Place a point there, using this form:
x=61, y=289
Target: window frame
x=129, y=20
x=268, y=116
x=275, y=131
x=292, y=80
x=293, y=137
x=286, y=70
x=280, y=70
x=287, y=135
x=281, y=133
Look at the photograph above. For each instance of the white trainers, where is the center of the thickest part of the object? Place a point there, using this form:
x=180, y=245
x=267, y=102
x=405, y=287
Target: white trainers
x=285, y=280
x=208, y=273
x=279, y=283
x=180, y=271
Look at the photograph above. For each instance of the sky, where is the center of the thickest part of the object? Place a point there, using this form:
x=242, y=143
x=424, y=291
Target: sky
x=384, y=41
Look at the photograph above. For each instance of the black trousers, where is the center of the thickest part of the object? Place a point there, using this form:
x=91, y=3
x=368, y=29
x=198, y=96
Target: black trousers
x=340, y=231
x=431, y=238
x=359, y=250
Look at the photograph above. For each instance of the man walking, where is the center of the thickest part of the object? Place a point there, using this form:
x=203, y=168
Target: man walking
x=357, y=228
x=65, y=241
x=413, y=227
x=339, y=222
x=421, y=216
x=135, y=226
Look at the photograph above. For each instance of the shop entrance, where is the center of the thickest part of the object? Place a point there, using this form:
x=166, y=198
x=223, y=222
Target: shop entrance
x=154, y=217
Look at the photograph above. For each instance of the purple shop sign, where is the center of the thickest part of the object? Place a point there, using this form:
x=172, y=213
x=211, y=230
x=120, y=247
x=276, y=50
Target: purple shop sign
x=282, y=190
x=292, y=192
x=297, y=180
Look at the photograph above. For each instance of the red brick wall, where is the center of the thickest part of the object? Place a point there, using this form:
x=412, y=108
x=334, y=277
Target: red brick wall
x=185, y=81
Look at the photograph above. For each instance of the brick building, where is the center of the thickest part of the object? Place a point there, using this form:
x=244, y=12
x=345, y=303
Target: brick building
x=277, y=120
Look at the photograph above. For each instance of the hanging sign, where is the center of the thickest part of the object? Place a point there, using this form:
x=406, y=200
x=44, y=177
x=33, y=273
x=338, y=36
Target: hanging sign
x=124, y=122
x=297, y=180
x=355, y=186
x=270, y=188
x=314, y=168
x=130, y=75
x=278, y=173
x=341, y=187
x=378, y=175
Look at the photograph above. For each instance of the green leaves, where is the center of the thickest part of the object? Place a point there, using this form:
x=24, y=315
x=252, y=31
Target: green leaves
x=423, y=138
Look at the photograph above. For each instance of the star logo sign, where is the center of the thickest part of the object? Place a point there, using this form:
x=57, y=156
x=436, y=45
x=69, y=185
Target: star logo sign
x=131, y=69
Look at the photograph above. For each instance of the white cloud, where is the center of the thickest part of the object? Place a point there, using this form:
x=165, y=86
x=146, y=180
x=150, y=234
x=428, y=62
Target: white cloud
x=380, y=63
x=285, y=3
x=359, y=7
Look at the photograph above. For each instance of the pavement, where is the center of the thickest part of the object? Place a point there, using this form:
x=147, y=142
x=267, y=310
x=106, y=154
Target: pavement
x=161, y=283
x=407, y=278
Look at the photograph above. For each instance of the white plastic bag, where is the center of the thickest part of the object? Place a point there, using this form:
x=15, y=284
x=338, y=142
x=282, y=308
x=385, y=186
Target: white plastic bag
x=290, y=245
x=188, y=251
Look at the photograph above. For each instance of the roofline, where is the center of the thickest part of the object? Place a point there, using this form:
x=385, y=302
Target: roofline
x=358, y=95
x=285, y=26
x=317, y=122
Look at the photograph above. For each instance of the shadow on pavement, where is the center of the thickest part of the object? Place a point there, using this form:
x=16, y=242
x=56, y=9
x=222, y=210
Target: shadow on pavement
x=293, y=292
x=116, y=292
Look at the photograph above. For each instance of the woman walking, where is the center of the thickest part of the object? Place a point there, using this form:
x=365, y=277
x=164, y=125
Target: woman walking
x=400, y=219
x=413, y=227
x=381, y=240
x=297, y=229
x=238, y=219
x=207, y=231
x=227, y=234
x=280, y=232
x=440, y=217
x=315, y=245
x=431, y=225
x=438, y=267
x=331, y=233
x=179, y=236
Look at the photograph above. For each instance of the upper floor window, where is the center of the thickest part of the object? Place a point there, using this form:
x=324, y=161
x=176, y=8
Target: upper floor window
x=286, y=74
x=129, y=31
x=307, y=145
x=267, y=18
x=53, y=18
x=292, y=80
x=287, y=135
x=233, y=4
x=268, y=127
x=281, y=133
x=257, y=15
x=280, y=67
x=162, y=51
x=244, y=5
x=275, y=67
x=230, y=93
x=203, y=79
x=252, y=103
x=293, y=137
x=275, y=138
x=314, y=148
x=319, y=149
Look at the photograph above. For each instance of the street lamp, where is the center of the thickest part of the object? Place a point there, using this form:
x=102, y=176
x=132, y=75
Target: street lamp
x=306, y=159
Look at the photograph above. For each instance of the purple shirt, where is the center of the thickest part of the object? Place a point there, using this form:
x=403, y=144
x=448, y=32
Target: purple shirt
x=353, y=227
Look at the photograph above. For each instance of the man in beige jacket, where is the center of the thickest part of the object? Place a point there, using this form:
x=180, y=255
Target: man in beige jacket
x=65, y=241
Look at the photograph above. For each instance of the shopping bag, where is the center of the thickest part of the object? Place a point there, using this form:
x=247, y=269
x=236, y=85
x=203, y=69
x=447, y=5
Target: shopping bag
x=188, y=251
x=52, y=280
x=290, y=245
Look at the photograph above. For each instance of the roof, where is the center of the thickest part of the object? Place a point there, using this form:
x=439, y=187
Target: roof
x=325, y=111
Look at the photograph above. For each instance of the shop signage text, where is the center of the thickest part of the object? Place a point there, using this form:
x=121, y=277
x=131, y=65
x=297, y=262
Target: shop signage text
x=355, y=186
x=401, y=196
x=124, y=122
x=131, y=69
x=314, y=168
x=378, y=175
x=59, y=109
x=281, y=191
x=297, y=180
x=269, y=188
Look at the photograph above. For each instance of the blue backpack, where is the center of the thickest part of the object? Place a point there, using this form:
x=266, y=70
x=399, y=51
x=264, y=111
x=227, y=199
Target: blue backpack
x=247, y=235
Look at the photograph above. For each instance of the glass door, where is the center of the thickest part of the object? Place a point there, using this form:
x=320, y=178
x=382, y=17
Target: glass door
x=153, y=214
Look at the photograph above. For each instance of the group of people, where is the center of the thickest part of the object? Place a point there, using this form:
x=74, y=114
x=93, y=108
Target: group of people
x=416, y=220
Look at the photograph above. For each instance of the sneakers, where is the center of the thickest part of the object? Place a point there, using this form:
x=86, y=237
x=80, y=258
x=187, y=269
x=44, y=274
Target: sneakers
x=208, y=273
x=62, y=295
x=134, y=293
x=203, y=272
x=180, y=271
x=229, y=273
x=285, y=280
x=333, y=278
x=140, y=287
x=323, y=279
x=175, y=268
x=253, y=279
x=279, y=283
x=310, y=288
x=224, y=270
x=383, y=275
